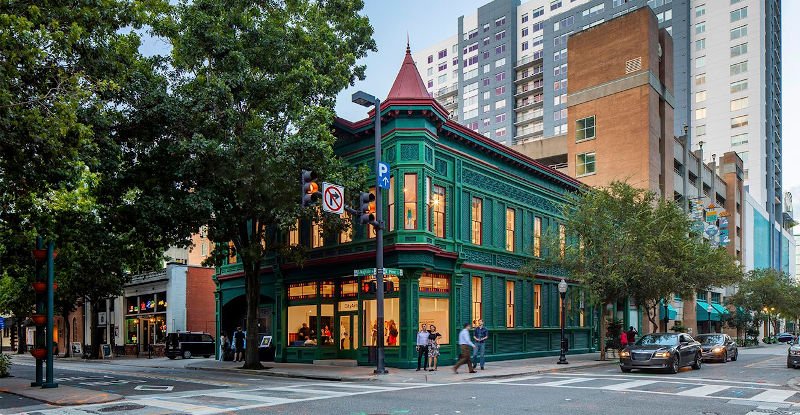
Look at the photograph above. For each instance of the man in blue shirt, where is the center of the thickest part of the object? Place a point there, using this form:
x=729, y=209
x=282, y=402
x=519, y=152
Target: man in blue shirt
x=422, y=347
x=480, y=334
x=464, y=344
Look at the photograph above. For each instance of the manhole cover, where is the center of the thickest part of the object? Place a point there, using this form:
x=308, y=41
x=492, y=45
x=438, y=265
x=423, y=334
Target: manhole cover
x=122, y=407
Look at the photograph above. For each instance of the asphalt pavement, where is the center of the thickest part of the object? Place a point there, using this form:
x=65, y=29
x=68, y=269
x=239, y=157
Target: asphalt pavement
x=757, y=384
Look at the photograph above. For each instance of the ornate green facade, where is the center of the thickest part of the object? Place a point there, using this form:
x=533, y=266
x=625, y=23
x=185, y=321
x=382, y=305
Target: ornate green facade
x=421, y=144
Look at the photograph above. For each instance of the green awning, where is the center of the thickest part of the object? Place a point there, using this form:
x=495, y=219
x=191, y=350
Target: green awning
x=672, y=313
x=703, y=313
x=720, y=309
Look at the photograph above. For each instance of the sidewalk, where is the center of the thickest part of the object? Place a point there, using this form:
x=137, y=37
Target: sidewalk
x=494, y=370
x=61, y=396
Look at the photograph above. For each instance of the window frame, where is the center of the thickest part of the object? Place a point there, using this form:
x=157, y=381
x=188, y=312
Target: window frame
x=510, y=291
x=585, y=164
x=511, y=217
x=410, y=200
x=585, y=129
x=476, y=221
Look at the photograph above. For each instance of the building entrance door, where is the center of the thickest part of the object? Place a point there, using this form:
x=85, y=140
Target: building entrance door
x=348, y=335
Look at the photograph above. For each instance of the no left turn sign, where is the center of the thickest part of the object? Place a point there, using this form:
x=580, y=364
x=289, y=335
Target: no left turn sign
x=332, y=198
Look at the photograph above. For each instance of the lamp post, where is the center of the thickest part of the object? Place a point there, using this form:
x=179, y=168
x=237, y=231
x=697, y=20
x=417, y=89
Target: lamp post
x=366, y=100
x=562, y=291
x=666, y=316
x=709, y=310
x=766, y=311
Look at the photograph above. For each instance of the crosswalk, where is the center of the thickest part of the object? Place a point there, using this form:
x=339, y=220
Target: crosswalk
x=216, y=401
x=761, y=394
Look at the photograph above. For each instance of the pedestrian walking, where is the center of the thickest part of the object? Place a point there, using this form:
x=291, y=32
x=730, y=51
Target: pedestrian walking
x=464, y=343
x=224, y=347
x=631, y=334
x=623, y=341
x=422, y=347
x=238, y=345
x=480, y=334
x=433, y=348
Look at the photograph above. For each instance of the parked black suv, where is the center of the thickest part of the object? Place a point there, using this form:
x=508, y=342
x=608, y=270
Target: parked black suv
x=187, y=344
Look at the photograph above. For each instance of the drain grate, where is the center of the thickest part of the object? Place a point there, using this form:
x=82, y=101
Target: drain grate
x=121, y=407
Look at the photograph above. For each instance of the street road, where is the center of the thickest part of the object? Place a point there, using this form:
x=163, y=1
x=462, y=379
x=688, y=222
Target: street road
x=758, y=384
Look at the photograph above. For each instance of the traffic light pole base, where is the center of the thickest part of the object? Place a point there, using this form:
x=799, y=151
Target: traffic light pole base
x=378, y=372
x=49, y=385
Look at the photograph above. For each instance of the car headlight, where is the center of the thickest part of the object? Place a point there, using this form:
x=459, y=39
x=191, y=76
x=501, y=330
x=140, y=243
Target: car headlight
x=624, y=354
x=717, y=350
x=794, y=351
x=661, y=354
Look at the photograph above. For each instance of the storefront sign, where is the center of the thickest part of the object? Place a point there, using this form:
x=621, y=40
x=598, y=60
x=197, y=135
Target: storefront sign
x=348, y=305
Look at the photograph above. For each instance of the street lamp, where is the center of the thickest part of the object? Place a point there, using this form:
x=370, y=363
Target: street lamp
x=709, y=310
x=366, y=100
x=562, y=290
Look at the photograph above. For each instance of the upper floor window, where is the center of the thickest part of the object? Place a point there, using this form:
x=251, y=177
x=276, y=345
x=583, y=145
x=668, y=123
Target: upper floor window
x=510, y=219
x=738, y=68
x=294, y=234
x=439, y=203
x=584, y=129
x=477, y=221
x=391, y=206
x=562, y=236
x=738, y=14
x=509, y=303
x=499, y=22
x=316, y=234
x=700, y=10
x=442, y=53
x=584, y=164
x=537, y=236
x=430, y=58
x=347, y=234
x=410, y=201
x=738, y=104
x=738, y=32
x=538, y=12
x=555, y=4
x=738, y=50
x=700, y=28
x=524, y=17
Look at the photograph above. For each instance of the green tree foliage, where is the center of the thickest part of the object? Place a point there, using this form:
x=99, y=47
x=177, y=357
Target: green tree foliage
x=768, y=293
x=255, y=84
x=625, y=242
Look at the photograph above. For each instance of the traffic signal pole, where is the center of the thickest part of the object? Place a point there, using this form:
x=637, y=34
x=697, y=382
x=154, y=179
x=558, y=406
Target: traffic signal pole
x=379, y=239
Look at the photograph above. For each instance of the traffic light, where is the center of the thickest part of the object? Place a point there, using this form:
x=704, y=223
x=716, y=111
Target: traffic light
x=366, y=208
x=309, y=188
x=371, y=287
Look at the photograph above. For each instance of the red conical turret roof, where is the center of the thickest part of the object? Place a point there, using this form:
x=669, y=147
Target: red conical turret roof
x=408, y=83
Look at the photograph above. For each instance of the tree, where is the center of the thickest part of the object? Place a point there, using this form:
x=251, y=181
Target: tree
x=768, y=292
x=625, y=242
x=255, y=83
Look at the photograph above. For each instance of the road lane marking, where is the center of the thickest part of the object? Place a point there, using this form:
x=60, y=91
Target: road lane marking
x=516, y=379
x=773, y=395
x=565, y=381
x=764, y=361
x=759, y=385
x=628, y=385
x=704, y=390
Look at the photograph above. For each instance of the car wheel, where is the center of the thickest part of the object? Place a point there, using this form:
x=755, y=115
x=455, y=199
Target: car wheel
x=625, y=370
x=187, y=354
x=735, y=356
x=725, y=357
x=675, y=366
x=789, y=364
x=698, y=362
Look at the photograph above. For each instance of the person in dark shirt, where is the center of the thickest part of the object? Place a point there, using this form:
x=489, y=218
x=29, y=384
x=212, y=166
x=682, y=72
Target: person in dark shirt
x=304, y=333
x=480, y=334
x=238, y=345
x=631, y=335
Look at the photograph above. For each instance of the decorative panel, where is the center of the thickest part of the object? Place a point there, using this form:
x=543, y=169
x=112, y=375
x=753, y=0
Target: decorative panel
x=527, y=303
x=488, y=301
x=466, y=216
x=538, y=341
x=500, y=301
x=441, y=167
x=499, y=230
x=495, y=186
x=428, y=155
x=477, y=257
x=487, y=222
x=546, y=305
x=509, y=343
x=391, y=154
x=506, y=261
x=409, y=152
x=518, y=304
x=465, y=302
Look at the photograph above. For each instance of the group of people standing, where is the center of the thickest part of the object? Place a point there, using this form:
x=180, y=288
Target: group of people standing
x=232, y=350
x=628, y=337
x=428, y=348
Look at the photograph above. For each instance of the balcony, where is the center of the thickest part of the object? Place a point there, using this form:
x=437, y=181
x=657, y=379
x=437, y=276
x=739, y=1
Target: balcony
x=526, y=118
x=526, y=91
x=446, y=92
x=527, y=62
x=536, y=73
x=528, y=105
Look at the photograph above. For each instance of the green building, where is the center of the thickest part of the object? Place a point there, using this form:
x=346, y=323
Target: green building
x=462, y=215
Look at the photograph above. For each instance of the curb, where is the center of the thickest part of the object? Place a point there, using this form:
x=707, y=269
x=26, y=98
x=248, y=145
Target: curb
x=540, y=371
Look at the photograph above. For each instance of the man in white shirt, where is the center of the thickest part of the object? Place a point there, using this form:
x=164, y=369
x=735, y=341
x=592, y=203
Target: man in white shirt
x=464, y=344
x=422, y=347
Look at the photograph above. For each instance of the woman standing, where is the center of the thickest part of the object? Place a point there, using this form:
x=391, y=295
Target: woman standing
x=433, y=348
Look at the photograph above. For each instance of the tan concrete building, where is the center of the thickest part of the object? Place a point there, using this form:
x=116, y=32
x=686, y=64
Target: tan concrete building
x=620, y=127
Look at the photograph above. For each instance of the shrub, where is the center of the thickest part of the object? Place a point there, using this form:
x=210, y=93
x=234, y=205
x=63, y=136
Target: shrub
x=5, y=362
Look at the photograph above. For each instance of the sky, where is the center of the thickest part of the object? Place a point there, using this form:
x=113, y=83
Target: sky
x=426, y=22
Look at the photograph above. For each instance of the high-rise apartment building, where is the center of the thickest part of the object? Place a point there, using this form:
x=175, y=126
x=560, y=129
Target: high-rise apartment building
x=505, y=74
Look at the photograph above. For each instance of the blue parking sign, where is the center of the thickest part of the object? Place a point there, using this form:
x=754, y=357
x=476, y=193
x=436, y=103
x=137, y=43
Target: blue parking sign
x=2, y=323
x=383, y=175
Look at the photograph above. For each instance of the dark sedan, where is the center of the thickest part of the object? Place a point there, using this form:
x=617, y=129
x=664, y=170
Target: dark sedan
x=786, y=337
x=793, y=358
x=718, y=347
x=669, y=351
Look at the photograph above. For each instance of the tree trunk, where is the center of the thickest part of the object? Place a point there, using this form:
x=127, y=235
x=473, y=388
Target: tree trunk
x=252, y=288
x=68, y=347
x=603, y=332
x=94, y=352
x=652, y=318
x=22, y=337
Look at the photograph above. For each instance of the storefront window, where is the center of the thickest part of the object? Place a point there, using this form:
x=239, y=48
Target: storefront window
x=131, y=305
x=327, y=289
x=391, y=322
x=477, y=300
x=147, y=303
x=161, y=302
x=434, y=283
x=302, y=320
x=326, y=336
x=436, y=311
x=509, y=303
x=302, y=291
x=410, y=201
x=160, y=329
x=349, y=289
x=131, y=330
